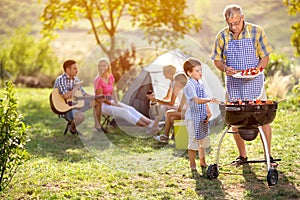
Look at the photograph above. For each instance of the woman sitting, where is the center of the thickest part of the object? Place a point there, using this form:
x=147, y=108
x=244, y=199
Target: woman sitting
x=104, y=84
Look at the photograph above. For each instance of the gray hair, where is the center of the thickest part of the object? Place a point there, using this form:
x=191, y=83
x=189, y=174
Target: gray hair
x=232, y=9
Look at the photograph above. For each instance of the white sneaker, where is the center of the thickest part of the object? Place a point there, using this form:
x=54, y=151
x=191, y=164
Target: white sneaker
x=161, y=123
x=161, y=138
x=150, y=125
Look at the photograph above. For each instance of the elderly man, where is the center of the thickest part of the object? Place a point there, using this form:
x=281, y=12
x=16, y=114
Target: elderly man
x=240, y=46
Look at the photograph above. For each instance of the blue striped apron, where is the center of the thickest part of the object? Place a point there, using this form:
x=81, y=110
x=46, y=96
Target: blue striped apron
x=198, y=111
x=241, y=56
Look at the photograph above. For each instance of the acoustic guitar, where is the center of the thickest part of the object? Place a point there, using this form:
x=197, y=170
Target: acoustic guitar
x=60, y=106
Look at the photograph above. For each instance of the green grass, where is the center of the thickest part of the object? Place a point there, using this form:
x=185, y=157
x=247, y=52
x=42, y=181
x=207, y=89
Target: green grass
x=67, y=167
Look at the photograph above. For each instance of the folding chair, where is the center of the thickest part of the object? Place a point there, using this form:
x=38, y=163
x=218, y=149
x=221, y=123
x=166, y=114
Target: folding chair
x=67, y=125
x=108, y=121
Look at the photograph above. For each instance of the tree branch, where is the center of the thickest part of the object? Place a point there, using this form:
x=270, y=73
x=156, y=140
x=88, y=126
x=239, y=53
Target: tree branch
x=90, y=18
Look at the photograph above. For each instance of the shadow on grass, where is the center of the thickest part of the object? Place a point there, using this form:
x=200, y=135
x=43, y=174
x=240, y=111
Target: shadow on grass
x=46, y=134
x=47, y=140
x=208, y=189
x=57, y=146
x=139, y=152
x=286, y=189
x=136, y=154
x=253, y=183
x=257, y=186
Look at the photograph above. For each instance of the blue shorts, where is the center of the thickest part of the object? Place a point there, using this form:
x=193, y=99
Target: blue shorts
x=70, y=114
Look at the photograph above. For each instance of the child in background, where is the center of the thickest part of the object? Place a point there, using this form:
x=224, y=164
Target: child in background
x=175, y=114
x=198, y=113
x=166, y=103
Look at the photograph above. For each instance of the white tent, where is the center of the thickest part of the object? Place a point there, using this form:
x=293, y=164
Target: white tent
x=152, y=78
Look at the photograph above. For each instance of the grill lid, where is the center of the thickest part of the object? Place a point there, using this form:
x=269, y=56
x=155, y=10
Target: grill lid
x=248, y=113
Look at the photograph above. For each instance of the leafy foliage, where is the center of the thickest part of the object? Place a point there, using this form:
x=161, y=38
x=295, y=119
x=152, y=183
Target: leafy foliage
x=279, y=62
x=153, y=16
x=281, y=69
x=295, y=99
x=163, y=22
x=21, y=54
x=13, y=137
x=294, y=8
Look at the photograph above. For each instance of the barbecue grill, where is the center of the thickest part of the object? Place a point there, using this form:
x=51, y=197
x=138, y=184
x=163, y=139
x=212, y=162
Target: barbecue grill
x=248, y=117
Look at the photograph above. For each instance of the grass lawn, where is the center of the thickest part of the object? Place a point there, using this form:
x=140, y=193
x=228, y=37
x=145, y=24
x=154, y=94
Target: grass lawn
x=123, y=165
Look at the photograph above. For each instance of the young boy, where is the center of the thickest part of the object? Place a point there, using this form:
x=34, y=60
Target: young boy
x=198, y=113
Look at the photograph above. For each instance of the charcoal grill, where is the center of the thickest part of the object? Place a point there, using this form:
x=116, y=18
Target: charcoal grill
x=248, y=117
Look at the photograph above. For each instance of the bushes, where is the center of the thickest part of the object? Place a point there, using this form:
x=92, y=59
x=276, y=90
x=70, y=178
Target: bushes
x=23, y=54
x=282, y=74
x=279, y=62
x=295, y=99
x=278, y=85
x=13, y=137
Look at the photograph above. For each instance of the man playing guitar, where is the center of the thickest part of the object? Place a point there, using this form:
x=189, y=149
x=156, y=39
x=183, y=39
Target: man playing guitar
x=68, y=84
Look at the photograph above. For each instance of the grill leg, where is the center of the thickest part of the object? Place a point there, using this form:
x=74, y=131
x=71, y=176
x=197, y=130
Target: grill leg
x=219, y=145
x=264, y=139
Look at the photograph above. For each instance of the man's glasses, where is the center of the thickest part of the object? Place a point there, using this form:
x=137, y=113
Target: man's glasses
x=235, y=23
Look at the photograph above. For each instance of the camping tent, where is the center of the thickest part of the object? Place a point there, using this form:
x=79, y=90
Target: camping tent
x=152, y=78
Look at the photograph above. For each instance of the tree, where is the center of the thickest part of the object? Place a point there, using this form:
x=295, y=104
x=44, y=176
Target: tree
x=163, y=21
x=294, y=8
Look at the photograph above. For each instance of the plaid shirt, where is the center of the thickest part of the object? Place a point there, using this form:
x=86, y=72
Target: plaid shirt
x=65, y=84
x=257, y=34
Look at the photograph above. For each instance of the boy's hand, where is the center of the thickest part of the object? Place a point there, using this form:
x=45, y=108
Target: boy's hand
x=205, y=121
x=213, y=100
x=208, y=116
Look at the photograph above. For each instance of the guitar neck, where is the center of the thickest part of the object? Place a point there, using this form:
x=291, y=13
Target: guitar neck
x=94, y=97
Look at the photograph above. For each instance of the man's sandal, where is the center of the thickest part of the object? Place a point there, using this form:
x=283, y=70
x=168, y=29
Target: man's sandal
x=75, y=132
x=239, y=161
x=273, y=163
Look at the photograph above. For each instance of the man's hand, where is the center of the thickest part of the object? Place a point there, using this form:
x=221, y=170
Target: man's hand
x=77, y=85
x=230, y=71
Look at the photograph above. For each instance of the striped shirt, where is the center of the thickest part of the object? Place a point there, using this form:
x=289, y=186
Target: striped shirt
x=256, y=33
